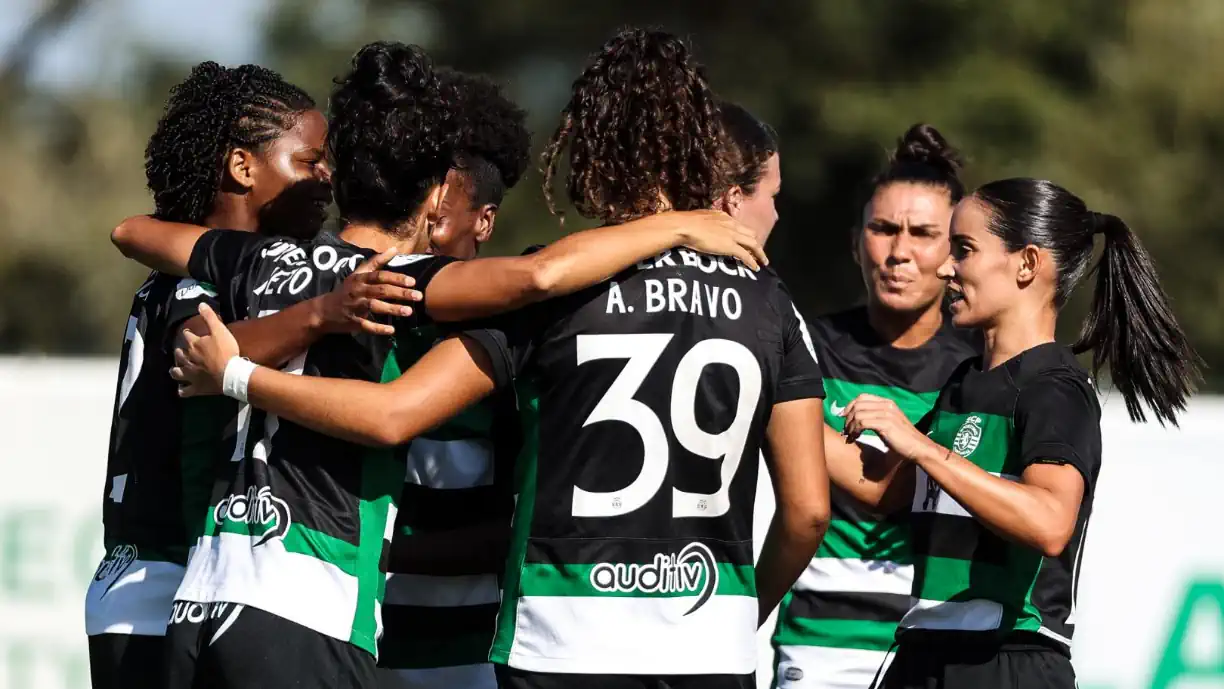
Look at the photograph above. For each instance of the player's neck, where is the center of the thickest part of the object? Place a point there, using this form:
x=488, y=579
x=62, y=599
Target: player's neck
x=376, y=238
x=1015, y=333
x=905, y=330
x=229, y=212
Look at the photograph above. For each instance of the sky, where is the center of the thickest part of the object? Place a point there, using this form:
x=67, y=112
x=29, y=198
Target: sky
x=86, y=51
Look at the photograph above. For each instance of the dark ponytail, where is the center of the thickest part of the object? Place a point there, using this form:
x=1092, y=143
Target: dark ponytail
x=1131, y=325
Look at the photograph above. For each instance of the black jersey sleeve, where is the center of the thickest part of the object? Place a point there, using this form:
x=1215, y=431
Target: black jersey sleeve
x=422, y=268
x=1058, y=421
x=221, y=255
x=801, y=377
x=184, y=304
x=510, y=339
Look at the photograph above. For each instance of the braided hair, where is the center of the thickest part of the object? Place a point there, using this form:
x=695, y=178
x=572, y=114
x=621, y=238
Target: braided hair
x=213, y=111
x=641, y=123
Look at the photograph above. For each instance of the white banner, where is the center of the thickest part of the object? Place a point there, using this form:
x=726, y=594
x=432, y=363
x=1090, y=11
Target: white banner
x=1151, y=602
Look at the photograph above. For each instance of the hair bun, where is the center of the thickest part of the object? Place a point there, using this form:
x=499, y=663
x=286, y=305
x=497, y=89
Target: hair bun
x=922, y=144
x=389, y=73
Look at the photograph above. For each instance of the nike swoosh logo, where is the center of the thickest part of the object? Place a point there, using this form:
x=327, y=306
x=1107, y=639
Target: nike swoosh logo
x=836, y=410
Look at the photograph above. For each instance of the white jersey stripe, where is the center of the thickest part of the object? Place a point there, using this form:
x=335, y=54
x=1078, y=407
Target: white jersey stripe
x=635, y=636
x=856, y=576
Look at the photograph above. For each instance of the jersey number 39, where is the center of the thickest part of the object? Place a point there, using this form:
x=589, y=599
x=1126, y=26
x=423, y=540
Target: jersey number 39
x=618, y=404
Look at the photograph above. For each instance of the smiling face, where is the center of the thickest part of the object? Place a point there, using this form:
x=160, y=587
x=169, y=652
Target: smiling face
x=903, y=243
x=984, y=278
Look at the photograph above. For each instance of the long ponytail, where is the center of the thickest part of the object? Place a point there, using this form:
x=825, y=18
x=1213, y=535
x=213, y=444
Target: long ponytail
x=1131, y=327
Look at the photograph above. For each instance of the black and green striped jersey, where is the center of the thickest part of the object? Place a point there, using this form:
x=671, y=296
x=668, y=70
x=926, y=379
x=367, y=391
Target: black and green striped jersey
x=163, y=449
x=460, y=477
x=644, y=402
x=857, y=587
x=302, y=527
x=1038, y=407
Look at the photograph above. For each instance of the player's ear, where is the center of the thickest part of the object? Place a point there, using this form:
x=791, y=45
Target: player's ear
x=486, y=217
x=240, y=167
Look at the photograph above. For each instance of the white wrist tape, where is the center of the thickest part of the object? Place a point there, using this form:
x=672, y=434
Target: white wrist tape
x=237, y=376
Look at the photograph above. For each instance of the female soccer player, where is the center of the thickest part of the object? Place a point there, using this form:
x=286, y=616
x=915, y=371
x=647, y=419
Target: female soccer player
x=240, y=148
x=1001, y=484
x=754, y=170
x=836, y=626
x=642, y=397
x=291, y=555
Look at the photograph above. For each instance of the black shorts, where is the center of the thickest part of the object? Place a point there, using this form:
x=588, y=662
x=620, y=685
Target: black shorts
x=510, y=678
x=926, y=667
x=126, y=661
x=230, y=646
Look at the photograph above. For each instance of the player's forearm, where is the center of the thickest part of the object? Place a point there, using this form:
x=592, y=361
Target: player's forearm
x=353, y=410
x=789, y=545
x=1029, y=515
x=476, y=549
x=486, y=287
x=586, y=258
x=160, y=245
x=275, y=339
x=866, y=473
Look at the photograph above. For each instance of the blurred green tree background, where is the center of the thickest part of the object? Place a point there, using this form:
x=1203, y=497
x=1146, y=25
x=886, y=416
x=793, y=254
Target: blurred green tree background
x=1115, y=99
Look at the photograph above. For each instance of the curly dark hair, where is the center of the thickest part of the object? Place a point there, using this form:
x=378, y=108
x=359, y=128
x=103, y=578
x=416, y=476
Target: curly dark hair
x=642, y=127
x=749, y=143
x=492, y=142
x=213, y=111
x=391, y=135
x=924, y=156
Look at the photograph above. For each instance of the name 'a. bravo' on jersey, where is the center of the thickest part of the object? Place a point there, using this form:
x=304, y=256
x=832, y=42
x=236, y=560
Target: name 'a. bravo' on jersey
x=644, y=401
x=460, y=475
x=836, y=625
x=302, y=529
x=160, y=465
x=1037, y=408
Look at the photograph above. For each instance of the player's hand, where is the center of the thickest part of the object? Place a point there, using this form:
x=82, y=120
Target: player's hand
x=882, y=415
x=715, y=232
x=200, y=361
x=367, y=292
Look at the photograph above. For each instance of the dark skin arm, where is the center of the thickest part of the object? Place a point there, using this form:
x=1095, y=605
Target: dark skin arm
x=796, y=463
x=275, y=339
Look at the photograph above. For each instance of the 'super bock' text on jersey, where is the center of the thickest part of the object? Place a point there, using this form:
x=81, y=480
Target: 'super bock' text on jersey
x=302, y=529
x=644, y=402
x=839, y=620
x=160, y=465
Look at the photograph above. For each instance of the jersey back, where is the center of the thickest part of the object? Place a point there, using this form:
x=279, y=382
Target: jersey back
x=645, y=401
x=302, y=526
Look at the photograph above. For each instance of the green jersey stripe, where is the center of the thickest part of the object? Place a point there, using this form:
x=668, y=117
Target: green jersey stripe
x=914, y=405
x=883, y=540
x=861, y=634
x=525, y=479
